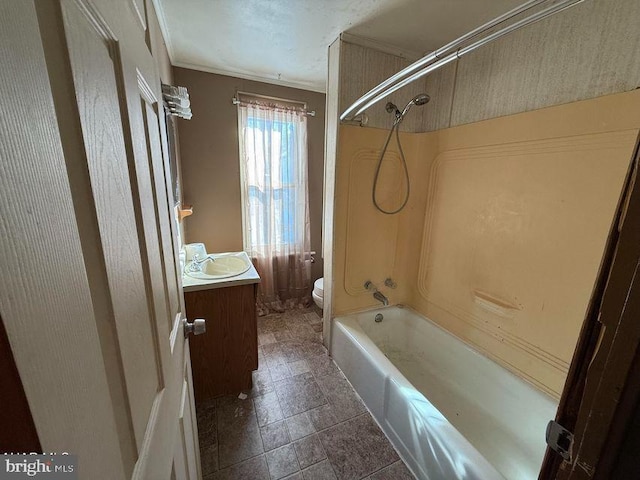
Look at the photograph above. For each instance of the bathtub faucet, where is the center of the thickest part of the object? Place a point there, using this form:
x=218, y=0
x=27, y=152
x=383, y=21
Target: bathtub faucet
x=376, y=294
x=381, y=298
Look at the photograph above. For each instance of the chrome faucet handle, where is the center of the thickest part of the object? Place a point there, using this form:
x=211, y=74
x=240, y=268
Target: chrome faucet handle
x=368, y=285
x=196, y=259
x=390, y=283
x=195, y=265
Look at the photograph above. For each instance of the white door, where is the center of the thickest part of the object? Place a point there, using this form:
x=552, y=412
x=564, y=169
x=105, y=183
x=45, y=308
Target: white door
x=91, y=295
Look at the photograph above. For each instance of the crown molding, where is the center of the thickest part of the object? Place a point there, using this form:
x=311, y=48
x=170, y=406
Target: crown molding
x=314, y=87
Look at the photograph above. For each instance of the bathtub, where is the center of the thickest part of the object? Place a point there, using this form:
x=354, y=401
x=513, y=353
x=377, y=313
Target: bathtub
x=450, y=412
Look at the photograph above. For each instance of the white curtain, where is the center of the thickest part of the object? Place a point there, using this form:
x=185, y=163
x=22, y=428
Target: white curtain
x=275, y=202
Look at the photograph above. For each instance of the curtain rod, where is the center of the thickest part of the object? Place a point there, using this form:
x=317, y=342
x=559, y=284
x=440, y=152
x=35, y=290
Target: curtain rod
x=433, y=61
x=235, y=100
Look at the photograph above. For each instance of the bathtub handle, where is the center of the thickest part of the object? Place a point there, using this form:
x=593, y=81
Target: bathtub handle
x=390, y=283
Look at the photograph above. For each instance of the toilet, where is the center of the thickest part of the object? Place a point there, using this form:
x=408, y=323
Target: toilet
x=318, y=292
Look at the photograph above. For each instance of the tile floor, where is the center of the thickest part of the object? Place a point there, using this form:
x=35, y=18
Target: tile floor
x=301, y=421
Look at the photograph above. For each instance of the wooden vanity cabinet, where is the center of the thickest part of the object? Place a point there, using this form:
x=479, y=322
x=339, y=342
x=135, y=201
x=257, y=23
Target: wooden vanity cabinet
x=223, y=357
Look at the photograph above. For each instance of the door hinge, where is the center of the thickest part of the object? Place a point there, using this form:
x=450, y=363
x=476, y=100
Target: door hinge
x=559, y=439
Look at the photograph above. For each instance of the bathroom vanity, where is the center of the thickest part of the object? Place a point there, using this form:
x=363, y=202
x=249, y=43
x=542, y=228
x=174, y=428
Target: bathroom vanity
x=223, y=358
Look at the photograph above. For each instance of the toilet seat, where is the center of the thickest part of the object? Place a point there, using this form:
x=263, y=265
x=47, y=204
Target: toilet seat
x=318, y=287
x=318, y=292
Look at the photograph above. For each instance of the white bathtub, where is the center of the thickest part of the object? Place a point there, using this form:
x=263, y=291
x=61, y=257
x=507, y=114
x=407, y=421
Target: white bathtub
x=449, y=411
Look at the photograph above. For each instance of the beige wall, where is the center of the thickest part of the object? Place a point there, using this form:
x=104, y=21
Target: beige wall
x=518, y=213
x=211, y=165
x=369, y=245
x=502, y=237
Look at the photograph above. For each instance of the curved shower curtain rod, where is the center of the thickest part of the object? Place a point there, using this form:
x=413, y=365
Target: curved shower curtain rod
x=439, y=58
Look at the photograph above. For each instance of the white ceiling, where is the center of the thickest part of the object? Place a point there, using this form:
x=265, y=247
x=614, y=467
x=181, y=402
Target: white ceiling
x=285, y=41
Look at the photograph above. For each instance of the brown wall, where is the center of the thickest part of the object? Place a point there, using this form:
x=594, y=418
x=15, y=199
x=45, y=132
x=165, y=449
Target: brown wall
x=211, y=164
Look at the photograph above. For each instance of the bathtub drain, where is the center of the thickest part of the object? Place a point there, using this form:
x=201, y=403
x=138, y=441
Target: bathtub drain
x=378, y=318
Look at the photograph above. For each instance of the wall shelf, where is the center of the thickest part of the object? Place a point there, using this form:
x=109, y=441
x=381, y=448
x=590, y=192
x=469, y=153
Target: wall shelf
x=184, y=212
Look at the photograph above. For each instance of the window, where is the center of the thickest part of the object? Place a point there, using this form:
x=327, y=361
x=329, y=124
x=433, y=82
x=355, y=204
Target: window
x=271, y=155
x=275, y=211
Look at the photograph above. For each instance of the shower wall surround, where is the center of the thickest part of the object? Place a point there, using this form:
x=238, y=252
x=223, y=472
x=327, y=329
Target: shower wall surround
x=377, y=246
x=503, y=235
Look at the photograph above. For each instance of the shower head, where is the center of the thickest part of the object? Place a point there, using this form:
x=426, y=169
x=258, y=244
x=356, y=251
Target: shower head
x=420, y=99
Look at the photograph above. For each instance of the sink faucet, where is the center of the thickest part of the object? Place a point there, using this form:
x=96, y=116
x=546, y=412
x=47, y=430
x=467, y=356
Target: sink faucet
x=196, y=263
x=376, y=294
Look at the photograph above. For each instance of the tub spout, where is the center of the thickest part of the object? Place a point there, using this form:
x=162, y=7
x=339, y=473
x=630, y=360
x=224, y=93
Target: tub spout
x=381, y=298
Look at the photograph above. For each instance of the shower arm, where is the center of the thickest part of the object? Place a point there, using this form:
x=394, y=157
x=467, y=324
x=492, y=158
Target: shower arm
x=439, y=58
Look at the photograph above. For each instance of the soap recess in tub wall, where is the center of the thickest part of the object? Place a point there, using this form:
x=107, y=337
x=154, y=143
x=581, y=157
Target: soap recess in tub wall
x=497, y=306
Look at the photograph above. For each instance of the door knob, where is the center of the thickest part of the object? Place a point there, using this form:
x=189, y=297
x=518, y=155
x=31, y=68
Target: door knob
x=198, y=326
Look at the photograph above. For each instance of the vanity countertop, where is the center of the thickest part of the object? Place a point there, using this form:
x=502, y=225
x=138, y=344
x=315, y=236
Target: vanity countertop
x=190, y=284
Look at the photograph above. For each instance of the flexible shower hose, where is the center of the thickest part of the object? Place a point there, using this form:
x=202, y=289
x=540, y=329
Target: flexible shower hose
x=396, y=127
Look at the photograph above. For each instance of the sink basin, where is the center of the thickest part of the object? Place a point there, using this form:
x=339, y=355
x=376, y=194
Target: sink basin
x=222, y=265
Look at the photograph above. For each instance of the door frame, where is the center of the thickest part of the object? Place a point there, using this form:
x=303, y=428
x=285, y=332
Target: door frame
x=603, y=384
